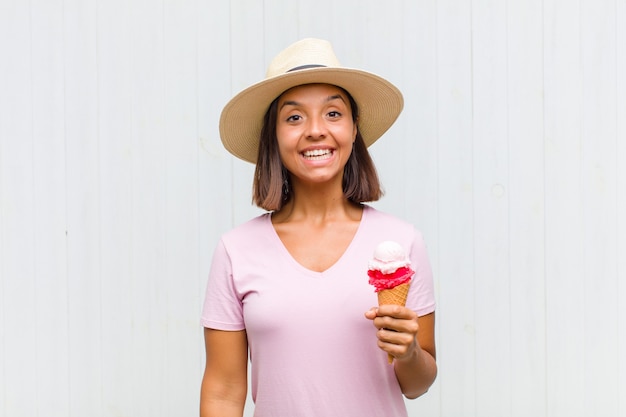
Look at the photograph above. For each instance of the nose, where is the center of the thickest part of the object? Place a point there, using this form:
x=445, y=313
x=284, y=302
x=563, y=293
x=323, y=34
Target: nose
x=316, y=128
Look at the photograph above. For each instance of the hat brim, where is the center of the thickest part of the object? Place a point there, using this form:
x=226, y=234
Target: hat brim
x=241, y=121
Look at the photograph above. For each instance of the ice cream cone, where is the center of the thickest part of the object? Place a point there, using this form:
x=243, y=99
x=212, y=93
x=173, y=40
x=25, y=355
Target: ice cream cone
x=396, y=296
x=390, y=273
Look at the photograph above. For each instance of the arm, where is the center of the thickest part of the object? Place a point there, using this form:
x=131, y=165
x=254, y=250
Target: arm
x=411, y=340
x=416, y=372
x=224, y=384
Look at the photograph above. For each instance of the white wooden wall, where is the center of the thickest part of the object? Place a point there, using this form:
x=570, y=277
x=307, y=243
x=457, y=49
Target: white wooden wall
x=114, y=188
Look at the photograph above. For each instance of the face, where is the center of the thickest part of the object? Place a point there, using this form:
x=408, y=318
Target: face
x=315, y=132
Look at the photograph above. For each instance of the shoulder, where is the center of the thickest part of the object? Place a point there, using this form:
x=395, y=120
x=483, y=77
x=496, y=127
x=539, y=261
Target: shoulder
x=247, y=235
x=255, y=225
x=381, y=226
x=385, y=221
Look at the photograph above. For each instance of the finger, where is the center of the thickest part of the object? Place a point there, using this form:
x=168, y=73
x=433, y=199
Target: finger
x=396, y=311
x=410, y=326
x=395, y=337
x=372, y=313
x=396, y=343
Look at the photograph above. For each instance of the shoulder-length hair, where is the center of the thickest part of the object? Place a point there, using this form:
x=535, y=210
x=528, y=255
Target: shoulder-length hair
x=271, y=187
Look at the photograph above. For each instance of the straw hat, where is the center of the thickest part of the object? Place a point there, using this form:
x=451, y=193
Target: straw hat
x=306, y=62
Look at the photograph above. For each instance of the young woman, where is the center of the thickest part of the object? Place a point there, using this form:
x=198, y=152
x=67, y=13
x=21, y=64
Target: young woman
x=289, y=289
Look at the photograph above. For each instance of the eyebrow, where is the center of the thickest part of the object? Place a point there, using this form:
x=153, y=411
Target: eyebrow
x=328, y=99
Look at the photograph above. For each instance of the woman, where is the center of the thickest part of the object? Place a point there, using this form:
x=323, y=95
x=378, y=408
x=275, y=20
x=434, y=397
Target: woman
x=289, y=289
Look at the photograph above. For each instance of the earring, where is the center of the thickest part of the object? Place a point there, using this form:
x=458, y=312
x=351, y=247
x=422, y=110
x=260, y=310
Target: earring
x=285, y=188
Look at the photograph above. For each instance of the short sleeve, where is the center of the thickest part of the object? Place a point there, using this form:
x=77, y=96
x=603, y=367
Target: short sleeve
x=222, y=309
x=421, y=294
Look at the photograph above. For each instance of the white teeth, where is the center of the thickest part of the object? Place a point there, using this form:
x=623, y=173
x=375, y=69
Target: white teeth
x=317, y=153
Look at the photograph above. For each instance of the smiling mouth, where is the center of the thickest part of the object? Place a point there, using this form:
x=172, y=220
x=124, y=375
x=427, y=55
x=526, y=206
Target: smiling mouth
x=317, y=154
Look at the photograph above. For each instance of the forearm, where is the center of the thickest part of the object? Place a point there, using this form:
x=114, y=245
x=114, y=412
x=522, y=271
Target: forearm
x=224, y=384
x=218, y=408
x=416, y=373
x=214, y=404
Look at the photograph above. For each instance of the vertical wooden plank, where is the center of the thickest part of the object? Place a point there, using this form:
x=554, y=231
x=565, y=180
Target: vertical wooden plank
x=350, y=21
x=17, y=233
x=83, y=207
x=280, y=26
x=314, y=19
x=4, y=65
x=418, y=64
x=181, y=207
x=598, y=184
x=419, y=68
x=248, y=66
x=491, y=209
x=246, y=44
x=620, y=160
x=148, y=285
x=4, y=47
x=52, y=359
x=383, y=51
x=215, y=163
x=526, y=207
x=565, y=337
x=115, y=158
x=455, y=202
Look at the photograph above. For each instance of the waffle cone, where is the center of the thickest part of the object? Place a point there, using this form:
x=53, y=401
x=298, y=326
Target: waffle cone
x=396, y=296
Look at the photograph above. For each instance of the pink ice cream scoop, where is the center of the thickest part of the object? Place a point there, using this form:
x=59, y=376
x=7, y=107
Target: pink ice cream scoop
x=390, y=266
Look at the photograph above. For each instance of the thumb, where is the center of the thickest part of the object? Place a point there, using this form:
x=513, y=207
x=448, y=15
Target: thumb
x=371, y=313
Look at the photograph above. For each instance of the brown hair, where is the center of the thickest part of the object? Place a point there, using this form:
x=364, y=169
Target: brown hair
x=271, y=179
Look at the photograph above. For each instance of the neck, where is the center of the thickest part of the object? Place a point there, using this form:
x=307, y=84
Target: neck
x=317, y=203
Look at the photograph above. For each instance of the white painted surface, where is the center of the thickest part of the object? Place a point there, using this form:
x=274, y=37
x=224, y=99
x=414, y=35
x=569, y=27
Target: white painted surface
x=114, y=189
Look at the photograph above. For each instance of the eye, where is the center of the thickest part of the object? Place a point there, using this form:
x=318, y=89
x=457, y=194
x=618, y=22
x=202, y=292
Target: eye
x=294, y=118
x=334, y=114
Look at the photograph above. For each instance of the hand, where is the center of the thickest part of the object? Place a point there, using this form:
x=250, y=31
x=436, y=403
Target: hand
x=396, y=329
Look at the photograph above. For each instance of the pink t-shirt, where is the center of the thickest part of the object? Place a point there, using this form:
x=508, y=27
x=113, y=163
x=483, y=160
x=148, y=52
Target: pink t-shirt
x=312, y=351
